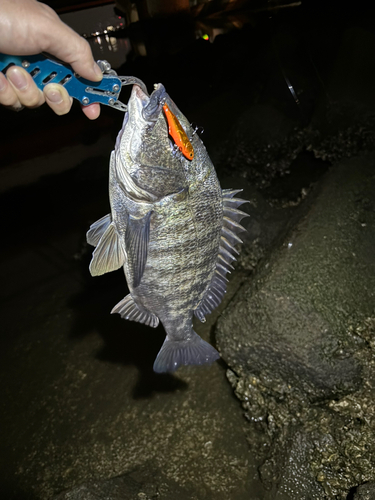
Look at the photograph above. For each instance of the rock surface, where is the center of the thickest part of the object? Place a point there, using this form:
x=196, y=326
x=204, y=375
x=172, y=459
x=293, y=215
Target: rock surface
x=142, y=484
x=365, y=492
x=287, y=472
x=299, y=339
x=290, y=322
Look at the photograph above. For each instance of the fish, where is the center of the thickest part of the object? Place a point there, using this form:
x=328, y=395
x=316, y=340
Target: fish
x=171, y=228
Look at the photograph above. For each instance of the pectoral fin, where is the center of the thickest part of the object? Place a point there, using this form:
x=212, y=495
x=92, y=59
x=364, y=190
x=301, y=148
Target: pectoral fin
x=97, y=230
x=136, y=243
x=109, y=255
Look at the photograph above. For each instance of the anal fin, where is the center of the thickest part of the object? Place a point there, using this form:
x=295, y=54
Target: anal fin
x=128, y=309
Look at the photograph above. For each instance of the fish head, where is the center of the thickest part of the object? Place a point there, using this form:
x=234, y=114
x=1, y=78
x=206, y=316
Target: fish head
x=145, y=151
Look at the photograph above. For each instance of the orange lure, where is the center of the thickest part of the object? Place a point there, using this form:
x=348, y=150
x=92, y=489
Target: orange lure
x=178, y=134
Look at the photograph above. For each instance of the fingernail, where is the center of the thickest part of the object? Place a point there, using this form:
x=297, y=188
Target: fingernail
x=54, y=96
x=98, y=71
x=18, y=79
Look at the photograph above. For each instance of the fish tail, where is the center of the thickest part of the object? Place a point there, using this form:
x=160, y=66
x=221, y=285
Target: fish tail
x=174, y=353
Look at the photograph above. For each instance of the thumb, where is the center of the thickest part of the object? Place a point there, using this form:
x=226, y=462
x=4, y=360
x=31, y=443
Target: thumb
x=71, y=48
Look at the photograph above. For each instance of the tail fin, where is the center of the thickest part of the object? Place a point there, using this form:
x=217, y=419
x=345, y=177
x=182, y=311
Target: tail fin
x=175, y=353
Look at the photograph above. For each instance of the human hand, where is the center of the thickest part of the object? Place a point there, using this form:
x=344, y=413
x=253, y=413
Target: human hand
x=29, y=27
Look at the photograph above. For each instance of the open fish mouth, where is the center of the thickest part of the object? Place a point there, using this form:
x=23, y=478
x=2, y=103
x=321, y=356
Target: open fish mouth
x=150, y=109
x=143, y=108
x=152, y=105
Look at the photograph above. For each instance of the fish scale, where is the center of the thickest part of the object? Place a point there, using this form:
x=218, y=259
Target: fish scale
x=171, y=227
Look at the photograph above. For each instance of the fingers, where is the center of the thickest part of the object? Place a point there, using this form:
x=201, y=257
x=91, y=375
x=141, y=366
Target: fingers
x=82, y=61
x=57, y=98
x=67, y=45
x=92, y=111
x=18, y=89
x=30, y=27
x=8, y=97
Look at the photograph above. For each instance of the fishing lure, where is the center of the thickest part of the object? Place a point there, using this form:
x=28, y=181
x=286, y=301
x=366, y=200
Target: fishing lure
x=178, y=134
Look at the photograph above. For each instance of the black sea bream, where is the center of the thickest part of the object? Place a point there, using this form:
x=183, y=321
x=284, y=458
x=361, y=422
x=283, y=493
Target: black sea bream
x=171, y=227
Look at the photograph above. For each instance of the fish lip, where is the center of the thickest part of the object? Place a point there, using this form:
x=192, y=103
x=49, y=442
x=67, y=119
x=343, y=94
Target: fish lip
x=137, y=102
x=155, y=102
x=121, y=132
x=140, y=94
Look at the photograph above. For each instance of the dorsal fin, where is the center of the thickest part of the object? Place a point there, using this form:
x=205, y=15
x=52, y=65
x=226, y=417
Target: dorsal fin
x=231, y=218
x=229, y=193
x=234, y=213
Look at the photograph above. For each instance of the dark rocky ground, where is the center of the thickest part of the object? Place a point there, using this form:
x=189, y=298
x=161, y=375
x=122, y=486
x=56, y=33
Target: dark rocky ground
x=81, y=408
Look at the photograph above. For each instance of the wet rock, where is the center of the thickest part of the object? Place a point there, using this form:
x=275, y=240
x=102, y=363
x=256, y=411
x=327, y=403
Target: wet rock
x=141, y=484
x=112, y=489
x=333, y=441
x=288, y=472
x=260, y=147
x=264, y=226
x=365, y=492
x=299, y=339
x=290, y=321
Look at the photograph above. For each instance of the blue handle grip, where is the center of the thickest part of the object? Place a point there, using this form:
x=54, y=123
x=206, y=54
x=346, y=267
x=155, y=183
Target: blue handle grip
x=44, y=70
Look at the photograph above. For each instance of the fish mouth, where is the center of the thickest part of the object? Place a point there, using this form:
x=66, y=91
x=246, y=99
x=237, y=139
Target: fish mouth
x=143, y=110
x=150, y=106
x=139, y=94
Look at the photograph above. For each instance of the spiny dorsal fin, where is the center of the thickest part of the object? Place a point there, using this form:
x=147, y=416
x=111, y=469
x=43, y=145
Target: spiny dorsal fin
x=229, y=193
x=222, y=278
x=223, y=261
x=231, y=218
x=234, y=213
x=231, y=236
x=225, y=244
x=109, y=255
x=232, y=224
x=128, y=309
x=226, y=256
x=97, y=230
x=234, y=202
x=212, y=298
